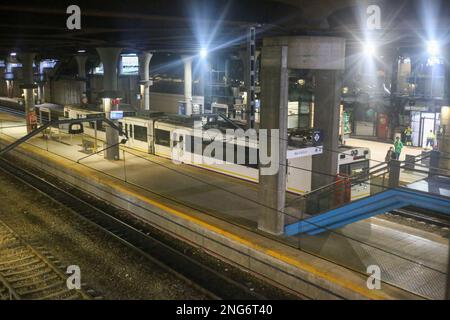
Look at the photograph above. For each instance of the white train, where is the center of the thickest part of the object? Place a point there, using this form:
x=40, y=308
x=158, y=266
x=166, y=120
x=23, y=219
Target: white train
x=156, y=133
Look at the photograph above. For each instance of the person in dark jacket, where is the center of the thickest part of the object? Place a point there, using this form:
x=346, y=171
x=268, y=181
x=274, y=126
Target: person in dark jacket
x=390, y=155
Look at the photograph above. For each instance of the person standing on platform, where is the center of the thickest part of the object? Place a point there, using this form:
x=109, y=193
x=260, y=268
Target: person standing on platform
x=408, y=136
x=430, y=139
x=398, y=146
x=390, y=155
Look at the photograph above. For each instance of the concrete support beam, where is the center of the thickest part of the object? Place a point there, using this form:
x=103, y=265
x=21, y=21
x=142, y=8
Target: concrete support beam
x=274, y=99
x=187, y=60
x=27, y=87
x=110, y=59
x=41, y=84
x=144, y=74
x=444, y=137
x=327, y=94
x=444, y=132
x=81, y=64
x=9, y=78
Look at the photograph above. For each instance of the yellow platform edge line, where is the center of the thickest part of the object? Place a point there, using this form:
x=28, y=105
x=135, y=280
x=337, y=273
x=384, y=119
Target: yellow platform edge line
x=371, y=294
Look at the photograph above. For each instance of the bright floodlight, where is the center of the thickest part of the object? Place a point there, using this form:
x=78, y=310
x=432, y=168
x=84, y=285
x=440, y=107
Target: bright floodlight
x=433, y=48
x=13, y=54
x=369, y=49
x=203, y=53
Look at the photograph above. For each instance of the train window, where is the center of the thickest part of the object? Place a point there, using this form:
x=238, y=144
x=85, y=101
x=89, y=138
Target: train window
x=140, y=133
x=100, y=126
x=131, y=130
x=162, y=137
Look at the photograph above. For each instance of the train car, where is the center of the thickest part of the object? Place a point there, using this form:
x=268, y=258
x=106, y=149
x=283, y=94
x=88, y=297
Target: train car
x=48, y=112
x=94, y=128
x=355, y=161
x=159, y=134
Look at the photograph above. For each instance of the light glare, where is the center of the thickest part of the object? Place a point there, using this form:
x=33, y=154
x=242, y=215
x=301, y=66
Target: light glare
x=433, y=48
x=203, y=53
x=369, y=49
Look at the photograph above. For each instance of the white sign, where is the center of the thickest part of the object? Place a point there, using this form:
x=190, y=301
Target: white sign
x=304, y=152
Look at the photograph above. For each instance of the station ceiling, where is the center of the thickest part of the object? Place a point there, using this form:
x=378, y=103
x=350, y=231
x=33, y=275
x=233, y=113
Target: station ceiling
x=187, y=25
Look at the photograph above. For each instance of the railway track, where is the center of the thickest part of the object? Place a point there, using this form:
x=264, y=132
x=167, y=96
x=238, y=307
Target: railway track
x=430, y=218
x=208, y=280
x=12, y=111
x=26, y=274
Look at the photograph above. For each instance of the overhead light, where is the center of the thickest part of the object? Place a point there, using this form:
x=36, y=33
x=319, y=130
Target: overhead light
x=433, y=48
x=203, y=53
x=81, y=51
x=13, y=54
x=369, y=49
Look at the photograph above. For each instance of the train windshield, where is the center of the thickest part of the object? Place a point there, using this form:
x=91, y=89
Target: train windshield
x=354, y=168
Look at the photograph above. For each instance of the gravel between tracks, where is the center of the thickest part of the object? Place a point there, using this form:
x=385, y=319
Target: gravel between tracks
x=106, y=265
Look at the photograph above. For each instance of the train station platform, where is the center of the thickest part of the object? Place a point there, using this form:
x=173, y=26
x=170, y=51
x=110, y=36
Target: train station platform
x=219, y=214
x=378, y=149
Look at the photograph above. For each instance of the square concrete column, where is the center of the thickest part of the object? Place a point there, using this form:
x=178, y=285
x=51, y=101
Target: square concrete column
x=144, y=74
x=81, y=64
x=110, y=59
x=28, y=86
x=443, y=136
x=187, y=60
x=327, y=97
x=274, y=103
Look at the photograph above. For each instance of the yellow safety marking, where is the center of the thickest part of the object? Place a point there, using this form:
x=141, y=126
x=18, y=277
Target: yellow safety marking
x=296, y=190
x=84, y=171
x=229, y=172
x=360, y=196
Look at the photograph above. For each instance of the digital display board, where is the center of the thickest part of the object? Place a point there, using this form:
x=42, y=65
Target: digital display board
x=99, y=69
x=48, y=63
x=129, y=64
x=116, y=115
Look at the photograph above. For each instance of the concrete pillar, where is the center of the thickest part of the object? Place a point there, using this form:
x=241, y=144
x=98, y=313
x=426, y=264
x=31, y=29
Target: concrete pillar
x=9, y=77
x=27, y=87
x=81, y=64
x=444, y=137
x=227, y=70
x=110, y=59
x=144, y=74
x=393, y=119
x=188, y=83
x=41, y=84
x=327, y=94
x=274, y=101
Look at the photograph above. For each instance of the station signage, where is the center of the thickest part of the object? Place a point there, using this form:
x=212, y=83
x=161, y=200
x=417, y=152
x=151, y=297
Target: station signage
x=116, y=115
x=304, y=152
x=129, y=64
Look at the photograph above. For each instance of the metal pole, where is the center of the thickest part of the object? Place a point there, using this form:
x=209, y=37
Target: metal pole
x=95, y=136
x=124, y=166
x=394, y=173
x=251, y=53
x=447, y=287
